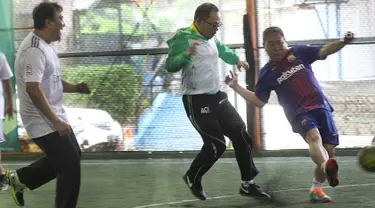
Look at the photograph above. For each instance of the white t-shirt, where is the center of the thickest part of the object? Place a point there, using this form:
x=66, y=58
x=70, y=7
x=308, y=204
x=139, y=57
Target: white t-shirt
x=5, y=73
x=37, y=61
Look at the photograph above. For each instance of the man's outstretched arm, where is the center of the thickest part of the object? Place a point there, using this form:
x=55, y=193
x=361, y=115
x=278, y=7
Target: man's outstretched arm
x=333, y=47
x=249, y=96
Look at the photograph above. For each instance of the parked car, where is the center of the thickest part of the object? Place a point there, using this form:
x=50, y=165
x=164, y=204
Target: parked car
x=91, y=127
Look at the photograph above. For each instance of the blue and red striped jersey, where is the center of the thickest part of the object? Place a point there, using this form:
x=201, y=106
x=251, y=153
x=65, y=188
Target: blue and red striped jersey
x=294, y=82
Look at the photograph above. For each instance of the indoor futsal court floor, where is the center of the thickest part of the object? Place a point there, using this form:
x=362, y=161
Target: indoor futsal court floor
x=158, y=183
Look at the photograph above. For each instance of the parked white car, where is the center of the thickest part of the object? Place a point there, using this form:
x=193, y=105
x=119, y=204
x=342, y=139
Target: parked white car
x=91, y=126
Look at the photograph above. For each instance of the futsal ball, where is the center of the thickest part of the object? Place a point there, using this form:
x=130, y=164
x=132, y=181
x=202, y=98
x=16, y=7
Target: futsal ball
x=366, y=158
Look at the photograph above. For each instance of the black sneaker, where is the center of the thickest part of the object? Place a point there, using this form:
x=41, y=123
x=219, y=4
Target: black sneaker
x=195, y=188
x=253, y=190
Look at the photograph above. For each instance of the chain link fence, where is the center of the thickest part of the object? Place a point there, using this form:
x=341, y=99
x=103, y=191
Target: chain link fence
x=119, y=48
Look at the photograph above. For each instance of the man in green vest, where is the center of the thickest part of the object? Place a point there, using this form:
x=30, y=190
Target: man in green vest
x=196, y=51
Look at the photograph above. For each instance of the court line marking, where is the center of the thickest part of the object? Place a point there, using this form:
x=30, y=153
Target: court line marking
x=117, y=162
x=227, y=196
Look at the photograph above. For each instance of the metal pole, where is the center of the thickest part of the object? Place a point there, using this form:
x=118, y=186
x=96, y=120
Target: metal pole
x=338, y=34
x=253, y=114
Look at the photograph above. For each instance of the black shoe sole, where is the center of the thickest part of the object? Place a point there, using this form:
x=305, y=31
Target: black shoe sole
x=255, y=197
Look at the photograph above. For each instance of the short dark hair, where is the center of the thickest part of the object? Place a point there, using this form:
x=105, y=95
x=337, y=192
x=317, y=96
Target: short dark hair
x=44, y=11
x=204, y=10
x=272, y=30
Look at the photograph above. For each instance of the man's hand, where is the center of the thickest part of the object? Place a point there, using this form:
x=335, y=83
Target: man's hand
x=62, y=128
x=83, y=88
x=8, y=111
x=242, y=64
x=232, y=80
x=192, y=50
x=349, y=37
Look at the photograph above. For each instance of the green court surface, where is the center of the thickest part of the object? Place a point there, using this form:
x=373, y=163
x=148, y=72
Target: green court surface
x=158, y=183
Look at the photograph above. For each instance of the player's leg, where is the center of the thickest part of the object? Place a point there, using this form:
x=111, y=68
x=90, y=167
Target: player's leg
x=317, y=151
x=330, y=139
x=234, y=128
x=200, y=112
x=331, y=169
x=321, y=159
x=69, y=177
x=306, y=124
x=331, y=149
x=62, y=160
x=3, y=183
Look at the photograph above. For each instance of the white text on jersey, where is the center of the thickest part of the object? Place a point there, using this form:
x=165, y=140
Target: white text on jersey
x=285, y=75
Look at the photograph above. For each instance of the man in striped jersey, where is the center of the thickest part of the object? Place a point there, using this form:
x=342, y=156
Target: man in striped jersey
x=40, y=91
x=196, y=51
x=289, y=73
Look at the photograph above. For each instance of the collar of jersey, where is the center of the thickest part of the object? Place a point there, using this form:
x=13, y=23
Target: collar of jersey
x=194, y=31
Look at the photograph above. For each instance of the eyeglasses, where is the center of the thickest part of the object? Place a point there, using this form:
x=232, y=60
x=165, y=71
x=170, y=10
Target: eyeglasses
x=214, y=25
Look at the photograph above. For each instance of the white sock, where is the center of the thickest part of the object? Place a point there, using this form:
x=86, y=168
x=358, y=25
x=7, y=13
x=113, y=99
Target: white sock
x=246, y=183
x=316, y=185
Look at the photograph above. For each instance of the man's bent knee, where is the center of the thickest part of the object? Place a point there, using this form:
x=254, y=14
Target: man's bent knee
x=239, y=135
x=218, y=149
x=214, y=147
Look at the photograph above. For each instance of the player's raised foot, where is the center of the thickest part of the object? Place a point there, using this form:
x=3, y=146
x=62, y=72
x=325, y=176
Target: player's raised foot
x=195, y=188
x=253, y=190
x=17, y=188
x=3, y=183
x=332, y=168
x=318, y=196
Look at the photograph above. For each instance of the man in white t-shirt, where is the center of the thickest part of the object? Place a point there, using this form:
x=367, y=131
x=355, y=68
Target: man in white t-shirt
x=40, y=92
x=5, y=110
